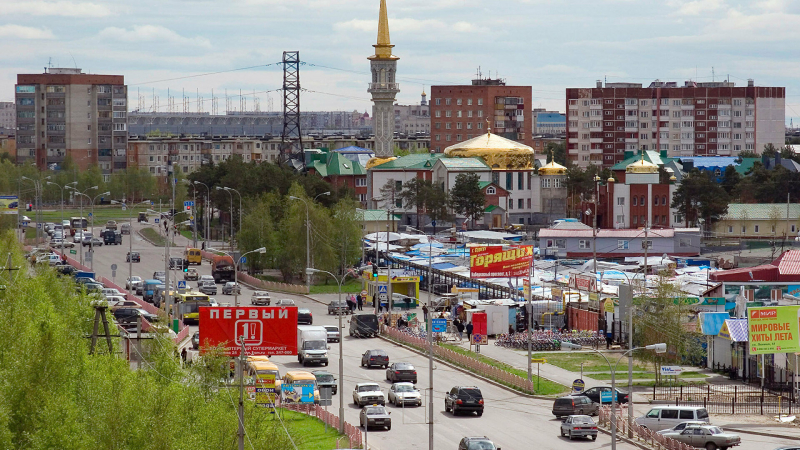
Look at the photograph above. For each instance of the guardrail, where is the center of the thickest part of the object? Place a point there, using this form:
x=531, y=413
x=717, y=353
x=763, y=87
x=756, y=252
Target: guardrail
x=469, y=363
x=640, y=433
x=353, y=433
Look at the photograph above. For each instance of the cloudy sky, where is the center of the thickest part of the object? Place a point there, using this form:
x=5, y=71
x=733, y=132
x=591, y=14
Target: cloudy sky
x=548, y=44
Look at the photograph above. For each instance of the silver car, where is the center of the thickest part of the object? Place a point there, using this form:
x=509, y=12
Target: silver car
x=705, y=436
x=579, y=426
x=333, y=333
x=375, y=416
x=401, y=394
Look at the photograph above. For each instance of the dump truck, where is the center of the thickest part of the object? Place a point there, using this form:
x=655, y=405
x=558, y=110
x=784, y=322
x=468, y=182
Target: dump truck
x=222, y=268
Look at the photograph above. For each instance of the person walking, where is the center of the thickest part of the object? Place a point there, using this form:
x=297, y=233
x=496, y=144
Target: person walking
x=425, y=312
x=459, y=327
x=469, y=331
x=360, y=302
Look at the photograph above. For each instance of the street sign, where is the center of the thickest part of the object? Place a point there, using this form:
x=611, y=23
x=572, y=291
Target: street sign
x=156, y=220
x=124, y=208
x=671, y=370
x=113, y=267
x=90, y=214
x=480, y=339
x=152, y=203
x=383, y=297
x=605, y=396
x=188, y=203
x=24, y=224
x=73, y=252
x=113, y=274
x=325, y=395
x=181, y=284
x=383, y=289
x=439, y=325
x=38, y=225
x=298, y=392
x=243, y=260
x=578, y=385
x=539, y=360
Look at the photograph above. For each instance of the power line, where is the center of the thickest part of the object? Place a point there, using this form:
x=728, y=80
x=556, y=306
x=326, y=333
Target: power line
x=204, y=74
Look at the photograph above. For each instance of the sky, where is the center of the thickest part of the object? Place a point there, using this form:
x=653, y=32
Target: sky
x=177, y=48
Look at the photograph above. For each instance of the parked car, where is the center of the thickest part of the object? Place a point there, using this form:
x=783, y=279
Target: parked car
x=285, y=302
x=190, y=274
x=337, y=307
x=464, y=399
x=333, y=333
x=579, y=426
x=231, y=288
x=401, y=394
x=681, y=426
x=66, y=269
x=196, y=340
x=132, y=282
x=597, y=392
x=260, y=298
x=375, y=416
x=208, y=287
x=375, y=358
x=128, y=315
x=477, y=443
x=705, y=436
x=402, y=371
x=304, y=316
x=133, y=257
x=665, y=416
x=326, y=379
x=368, y=394
x=574, y=405
x=110, y=291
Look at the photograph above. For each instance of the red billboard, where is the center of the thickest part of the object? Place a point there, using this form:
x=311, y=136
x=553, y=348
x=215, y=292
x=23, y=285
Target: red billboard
x=497, y=261
x=265, y=330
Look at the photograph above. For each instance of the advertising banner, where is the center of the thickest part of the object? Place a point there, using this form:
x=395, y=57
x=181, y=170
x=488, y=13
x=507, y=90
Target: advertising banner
x=498, y=261
x=583, y=282
x=264, y=330
x=526, y=287
x=773, y=329
x=298, y=392
x=671, y=370
x=9, y=204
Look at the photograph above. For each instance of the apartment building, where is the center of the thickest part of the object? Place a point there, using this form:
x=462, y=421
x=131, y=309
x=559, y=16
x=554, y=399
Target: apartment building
x=696, y=119
x=460, y=113
x=65, y=112
x=548, y=122
x=8, y=116
x=413, y=120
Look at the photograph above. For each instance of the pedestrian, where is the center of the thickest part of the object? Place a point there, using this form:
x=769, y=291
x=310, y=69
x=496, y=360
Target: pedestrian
x=183, y=355
x=360, y=302
x=609, y=339
x=460, y=328
x=469, y=331
x=425, y=312
x=350, y=305
x=203, y=247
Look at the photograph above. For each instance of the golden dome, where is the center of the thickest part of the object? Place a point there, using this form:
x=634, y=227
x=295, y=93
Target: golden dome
x=552, y=168
x=641, y=166
x=377, y=161
x=496, y=151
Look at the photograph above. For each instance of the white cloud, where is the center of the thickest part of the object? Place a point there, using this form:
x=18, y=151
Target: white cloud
x=20, y=32
x=696, y=7
x=407, y=24
x=152, y=33
x=57, y=8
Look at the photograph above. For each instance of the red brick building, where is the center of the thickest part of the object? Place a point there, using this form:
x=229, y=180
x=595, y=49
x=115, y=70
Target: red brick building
x=459, y=113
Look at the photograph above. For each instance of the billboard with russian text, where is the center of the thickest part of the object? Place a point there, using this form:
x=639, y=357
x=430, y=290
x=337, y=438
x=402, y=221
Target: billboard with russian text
x=264, y=330
x=9, y=204
x=497, y=261
x=773, y=329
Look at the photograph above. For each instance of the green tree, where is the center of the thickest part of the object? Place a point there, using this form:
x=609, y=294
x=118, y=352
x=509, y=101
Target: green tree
x=390, y=193
x=437, y=204
x=700, y=197
x=258, y=230
x=730, y=181
x=414, y=195
x=467, y=198
x=557, y=151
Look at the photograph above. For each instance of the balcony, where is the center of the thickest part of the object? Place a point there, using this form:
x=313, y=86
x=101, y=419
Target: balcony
x=383, y=87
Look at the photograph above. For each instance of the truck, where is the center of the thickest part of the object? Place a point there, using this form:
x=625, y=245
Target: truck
x=312, y=345
x=82, y=274
x=222, y=268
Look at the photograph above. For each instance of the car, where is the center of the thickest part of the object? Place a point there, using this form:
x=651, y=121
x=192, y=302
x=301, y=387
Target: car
x=574, y=405
x=285, y=302
x=93, y=287
x=125, y=228
x=205, y=278
x=304, y=316
x=231, y=288
x=78, y=238
x=52, y=259
x=66, y=269
x=176, y=263
x=129, y=315
x=681, y=426
x=337, y=307
x=368, y=394
x=59, y=242
x=579, y=426
x=131, y=282
x=477, y=443
x=208, y=288
x=260, y=298
x=595, y=393
x=160, y=275
x=142, y=217
x=705, y=436
x=666, y=416
x=375, y=416
x=111, y=225
x=401, y=371
x=196, y=340
x=464, y=399
x=190, y=274
x=110, y=291
x=326, y=379
x=86, y=236
x=84, y=280
x=92, y=241
x=116, y=301
x=375, y=358
x=111, y=237
x=333, y=333
x=133, y=257
x=401, y=394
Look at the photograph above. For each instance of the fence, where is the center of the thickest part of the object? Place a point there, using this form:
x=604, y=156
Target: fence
x=727, y=399
x=469, y=363
x=640, y=433
x=352, y=433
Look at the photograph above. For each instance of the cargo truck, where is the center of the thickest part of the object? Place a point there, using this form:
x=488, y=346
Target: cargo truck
x=222, y=268
x=312, y=345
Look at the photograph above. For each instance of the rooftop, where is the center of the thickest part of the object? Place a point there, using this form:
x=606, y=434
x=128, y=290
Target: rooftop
x=761, y=211
x=412, y=161
x=464, y=163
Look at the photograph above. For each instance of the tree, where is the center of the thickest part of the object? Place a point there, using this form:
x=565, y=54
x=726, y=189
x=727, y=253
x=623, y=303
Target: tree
x=259, y=230
x=731, y=181
x=414, y=194
x=437, y=205
x=700, y=197
x=389, y=193
x=467, y=198
x=557, y=152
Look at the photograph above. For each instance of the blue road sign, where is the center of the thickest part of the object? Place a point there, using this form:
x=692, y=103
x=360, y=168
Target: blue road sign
x=152, y=203
x=439, y=325
x=605, y=396
x=38, y=225
x=243, y=260
x=188, y=203
x=156, y=220
x=90, y=214
x=579, y=385
x=181, y=284
x=24, y=224
x=383, y=289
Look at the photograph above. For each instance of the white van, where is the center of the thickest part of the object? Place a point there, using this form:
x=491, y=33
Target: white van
x=663, y=417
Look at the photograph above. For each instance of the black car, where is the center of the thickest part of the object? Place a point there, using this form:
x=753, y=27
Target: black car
x=129, y=315
x=464, y=399
x=177, y=263
x=595, y=392
x=196, y=340
x=66, y=269
x=112, y=237
x=364, y=325
x=401, y=371
x=133, y=257
x=326, y=379
x=477, y=443
x=375, y=358
x=304, y=316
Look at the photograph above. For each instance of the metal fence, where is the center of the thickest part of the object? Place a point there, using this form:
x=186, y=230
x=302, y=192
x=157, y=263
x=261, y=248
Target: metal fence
x=727, y=399
x=606, y=419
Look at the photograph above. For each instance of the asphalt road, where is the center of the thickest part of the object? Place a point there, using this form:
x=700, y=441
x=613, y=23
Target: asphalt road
x=510, y=420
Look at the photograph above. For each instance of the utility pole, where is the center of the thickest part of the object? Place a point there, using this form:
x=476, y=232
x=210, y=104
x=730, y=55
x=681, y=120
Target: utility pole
x=529, y=316
x=240, y=371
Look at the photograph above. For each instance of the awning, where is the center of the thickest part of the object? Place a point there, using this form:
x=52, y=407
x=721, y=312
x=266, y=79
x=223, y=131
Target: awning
x=734, y=330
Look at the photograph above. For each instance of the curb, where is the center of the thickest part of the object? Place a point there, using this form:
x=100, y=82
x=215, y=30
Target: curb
x=139, y=232
x=760, y=433
x=625, y=439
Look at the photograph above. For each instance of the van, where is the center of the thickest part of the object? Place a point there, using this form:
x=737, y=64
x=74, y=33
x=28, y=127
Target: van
x=364, y=325
x=574, y=404
x=312, y=345
x=663, y=417
x=192, y=256
x=299, y=377
x=259, y=370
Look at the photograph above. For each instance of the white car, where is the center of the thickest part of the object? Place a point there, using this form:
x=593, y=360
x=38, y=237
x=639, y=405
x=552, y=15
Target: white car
x=51, y=259
x=106, y=292
x=368, y=394
x=57, y=242
x=204, y=278
x=401, y=394
x=132, y=282
x=78, y=238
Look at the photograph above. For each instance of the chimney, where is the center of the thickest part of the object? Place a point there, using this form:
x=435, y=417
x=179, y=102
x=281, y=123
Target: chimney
x=777, y=159
x=688, y=165
x=750, y=82
x=599, y=84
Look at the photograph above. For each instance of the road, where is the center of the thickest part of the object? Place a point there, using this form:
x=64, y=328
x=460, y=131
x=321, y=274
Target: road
x=512, y=421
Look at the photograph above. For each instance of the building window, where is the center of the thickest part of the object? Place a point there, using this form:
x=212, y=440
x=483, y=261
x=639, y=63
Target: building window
x=509, y=181
x=648, y=244
x=438, y=102
x=642, y=201
x=520, y=204
x=634, y=201
x=448, y=113
x=620, y=219
x=438, y=114
x=755, y=228
x=744, y=229
x=655, y=201
x=583, y=244
x=529, y=203
x=520, y=181
x=361, y=182
x=490, y=190
x=730, y=228
x=447, y=126
x=480, y=102
x=511, y=204
x=622, y=244
x=447, y=101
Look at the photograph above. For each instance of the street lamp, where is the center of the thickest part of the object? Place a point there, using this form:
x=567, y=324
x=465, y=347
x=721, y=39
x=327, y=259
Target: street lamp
x=83, y=228
x=130, y=224
x=658, y=348
x=63, y=235
x=339, y=281
x=261, y=250
x=308, y=245
x=194, y=202
x=219, y=188
x=91, y=241
x=205, y=206
x=37, y=198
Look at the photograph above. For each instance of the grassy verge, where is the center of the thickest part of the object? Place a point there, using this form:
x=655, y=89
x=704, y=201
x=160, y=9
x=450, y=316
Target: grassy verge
x=592, y=362
x=188, y=234
x=623, y=374
x=350, y=286
x=309, y=432
x=152, y=235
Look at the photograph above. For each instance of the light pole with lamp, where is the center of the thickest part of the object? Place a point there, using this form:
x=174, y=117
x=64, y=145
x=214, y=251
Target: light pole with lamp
x=130, y=224
x=659, y=348
x=261, y=250
x=205, y=207
x=194, y=203
x=84, y=194
x=240, y=209
x=63, y=235
x=220, y=188
x=339, y=281
x=37, y=199
x=308, y=237
x=91, y=241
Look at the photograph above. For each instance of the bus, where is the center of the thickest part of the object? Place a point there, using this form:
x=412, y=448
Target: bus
x=76, y=223
x=189, y=306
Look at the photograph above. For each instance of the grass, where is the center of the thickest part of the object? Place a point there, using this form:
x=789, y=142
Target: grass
x=623, y=374
x=349, y=286
x=309, y=432
x=188, y=234
x=152, y=235
x=592, y=362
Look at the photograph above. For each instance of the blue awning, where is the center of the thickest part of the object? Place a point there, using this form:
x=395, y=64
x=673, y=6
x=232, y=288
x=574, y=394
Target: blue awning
x=443, y=266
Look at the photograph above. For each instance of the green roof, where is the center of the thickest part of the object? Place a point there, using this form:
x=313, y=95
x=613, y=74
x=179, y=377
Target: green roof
x=483, y=184
x=378, y=215
x=761, y=211
x=412, y=161
x=337, y=164
x=650, y=156
x=464, y=164
x=490, y=208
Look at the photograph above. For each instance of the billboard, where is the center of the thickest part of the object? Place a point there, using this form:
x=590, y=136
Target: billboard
x=583, y=282
x=498, y=261
x=773, y=329
x=9, y=204
x=264, y=330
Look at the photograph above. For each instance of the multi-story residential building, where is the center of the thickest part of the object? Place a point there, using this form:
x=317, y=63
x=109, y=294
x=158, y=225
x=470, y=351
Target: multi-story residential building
x=8, y=116
x=459, y=113
x=549, y=122
x=413, y=120
x=64, y=112
x=342, y=168
x=704, y=119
